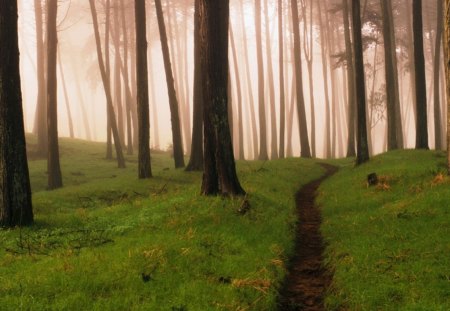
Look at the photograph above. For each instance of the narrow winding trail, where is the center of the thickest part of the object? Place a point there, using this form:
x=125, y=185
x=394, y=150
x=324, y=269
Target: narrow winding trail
x=307, y=279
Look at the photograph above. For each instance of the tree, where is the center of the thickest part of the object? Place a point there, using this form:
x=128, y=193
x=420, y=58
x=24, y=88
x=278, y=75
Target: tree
x=173, y=101
x=196, y=159
x=304, y=141
x=420, y=78
x=281, y=71
x=53, y=165
x=362, y=149
x=107, y=88
x=219, y=174
x=437, y=62
x=447, y=74
x=144, y=166
x=261, y=102
x=15, y=191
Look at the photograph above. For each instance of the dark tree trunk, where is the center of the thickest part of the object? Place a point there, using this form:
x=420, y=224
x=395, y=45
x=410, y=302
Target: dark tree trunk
x=261, y=101
x=196, y=159
x=144, y=167
x=437, y=62
x=420, y=78
x=304, y=140
x=362, y=146
x=53, y=166
x=41, y=104
x=350, y=81
x=390, y=75
x=107, y=88
x=220, y=171
x=173, y=102
x=15, y=192
x=117, y=65
x=281, y=70
x=109, y=153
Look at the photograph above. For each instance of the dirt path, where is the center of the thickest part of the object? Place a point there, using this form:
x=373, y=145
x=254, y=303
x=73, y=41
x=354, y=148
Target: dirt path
x=307, y=280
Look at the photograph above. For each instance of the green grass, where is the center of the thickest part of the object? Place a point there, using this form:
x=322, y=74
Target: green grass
x=95, y=238
x=389, y=246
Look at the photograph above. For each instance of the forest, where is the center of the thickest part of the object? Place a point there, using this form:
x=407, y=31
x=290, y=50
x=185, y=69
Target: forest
x=224, y=155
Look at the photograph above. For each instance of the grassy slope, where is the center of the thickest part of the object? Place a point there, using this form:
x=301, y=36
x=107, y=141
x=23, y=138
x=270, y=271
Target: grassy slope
x=389, y=245
x=94, y=238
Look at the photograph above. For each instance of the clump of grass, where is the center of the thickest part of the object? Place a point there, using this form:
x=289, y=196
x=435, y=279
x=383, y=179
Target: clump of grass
x=388, y=245
x=108, y=241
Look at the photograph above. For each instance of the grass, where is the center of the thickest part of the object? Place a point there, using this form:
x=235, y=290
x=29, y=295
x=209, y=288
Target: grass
x=108, y=241
x=389, y=245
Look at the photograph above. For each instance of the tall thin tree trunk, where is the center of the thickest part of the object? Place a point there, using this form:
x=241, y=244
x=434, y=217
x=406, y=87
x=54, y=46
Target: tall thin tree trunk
x=107, y=88
x=447, y=75
x=153, y=104
x=15, y=191
x=303, y=129
x=109, y=154
x=420, y=78
x=66, y=95
x=437, y=62
x=281, y=78
x=173, y=102
x=362, y=146
x=144, y=166
x=53, y=166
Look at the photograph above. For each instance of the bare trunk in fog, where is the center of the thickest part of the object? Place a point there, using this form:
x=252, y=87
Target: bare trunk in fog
x=237, y=80
x=251, y=101
x=117, y=78
x=196, y=159
x=144, y=166
x=107, y=88
x=15, y=191
x=53, y=166
x=350, y=81
x=447, y=75
x=41, y=103
x=362, y=146
x=82, y=104
x=66, y=95
x=109, y=154
x=220, y=172
x=304, y=140
x=420, y=78
x=281, y=77
x=261, y=101
x=324, y=51
x=154, y=109
x=438, y=141
x=173, y=102
x=273, y=115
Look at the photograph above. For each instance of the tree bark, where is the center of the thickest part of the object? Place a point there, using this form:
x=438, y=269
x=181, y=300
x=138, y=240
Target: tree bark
x=220, y=172
x=144, y=166
x=107, y=88
x=438, y=142
x=304, y=140
x=173, y=102
x=15, y=192
x=420, y=78
x=261, y=101
x=362, y=146
x=196, y=159
x=281, y=78
x=447, y=75
x=53, y=165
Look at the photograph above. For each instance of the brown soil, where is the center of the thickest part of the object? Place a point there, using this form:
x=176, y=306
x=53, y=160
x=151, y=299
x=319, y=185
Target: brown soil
x=307, y=279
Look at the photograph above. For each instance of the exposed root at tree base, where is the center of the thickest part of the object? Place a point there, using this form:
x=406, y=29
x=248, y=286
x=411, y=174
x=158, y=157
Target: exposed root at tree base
x=307, y=279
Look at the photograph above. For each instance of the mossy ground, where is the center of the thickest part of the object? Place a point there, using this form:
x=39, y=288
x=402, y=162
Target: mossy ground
x=108, y=241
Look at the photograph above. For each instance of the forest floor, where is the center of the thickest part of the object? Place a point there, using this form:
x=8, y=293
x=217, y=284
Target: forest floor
x=307, y=279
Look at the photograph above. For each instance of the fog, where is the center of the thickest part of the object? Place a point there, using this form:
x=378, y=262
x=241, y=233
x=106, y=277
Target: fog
x=79, y=64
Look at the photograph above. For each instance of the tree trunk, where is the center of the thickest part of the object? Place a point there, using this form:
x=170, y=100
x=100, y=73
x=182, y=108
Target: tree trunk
x=107, y=88
x=66, y=95
x=15, y=192
x=53, y=166
x=281, y=77
x=173, y=102
x=196, y=159
x=420, y=78
x=220, y=171
x=41, y=104
x=261, y=101
x=362, y=146
x=109, y=154
x=437, y=62
x=156, y=143
x=350, y=81
x=304, y=140
x=239, y=98
x=271, y=82
x=447, y=75
x=117, y=78
x=144, y=166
